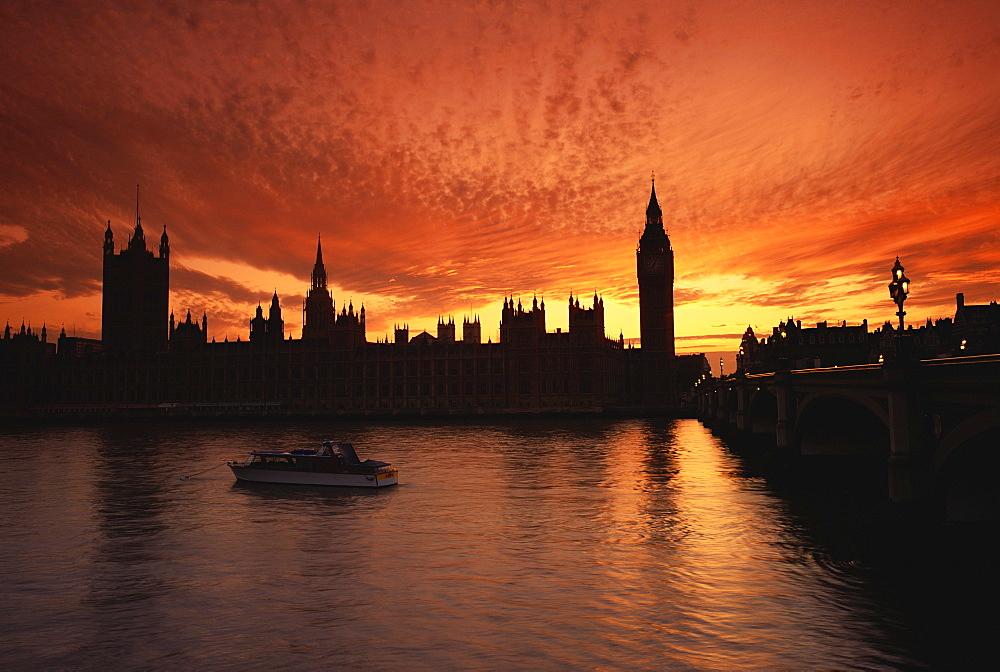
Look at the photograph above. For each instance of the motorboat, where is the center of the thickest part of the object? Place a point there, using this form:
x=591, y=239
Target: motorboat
x=333, y=463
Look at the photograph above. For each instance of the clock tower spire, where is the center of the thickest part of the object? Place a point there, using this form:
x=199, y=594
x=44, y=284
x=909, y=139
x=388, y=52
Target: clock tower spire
x=654, y=237
x=655, y=270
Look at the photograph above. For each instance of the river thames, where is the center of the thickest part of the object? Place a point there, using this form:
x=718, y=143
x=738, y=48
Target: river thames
x=521, y=544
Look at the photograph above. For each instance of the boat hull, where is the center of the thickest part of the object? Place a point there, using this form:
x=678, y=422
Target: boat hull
x=257, y=475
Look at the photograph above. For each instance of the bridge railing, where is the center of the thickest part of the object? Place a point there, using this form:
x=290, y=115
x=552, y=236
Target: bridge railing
x=970, y=359
x=944, y=361
x=872, y=369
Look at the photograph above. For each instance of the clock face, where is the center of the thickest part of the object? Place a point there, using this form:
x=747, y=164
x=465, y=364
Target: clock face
x=653, y=264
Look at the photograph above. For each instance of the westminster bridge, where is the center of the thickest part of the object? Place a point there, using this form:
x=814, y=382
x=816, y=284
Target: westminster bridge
x=935, y=424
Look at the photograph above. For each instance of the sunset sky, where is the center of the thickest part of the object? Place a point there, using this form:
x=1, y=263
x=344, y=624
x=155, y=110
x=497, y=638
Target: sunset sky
x=452, y=153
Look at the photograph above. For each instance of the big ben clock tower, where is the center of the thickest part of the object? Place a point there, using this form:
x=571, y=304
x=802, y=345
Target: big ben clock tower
x=655, y=270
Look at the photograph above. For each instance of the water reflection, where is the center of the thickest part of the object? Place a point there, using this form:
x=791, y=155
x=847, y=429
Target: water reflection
x=126, y=575
x=557, y=544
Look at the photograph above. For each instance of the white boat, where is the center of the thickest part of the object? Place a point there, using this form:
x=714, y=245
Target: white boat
x=333, y=463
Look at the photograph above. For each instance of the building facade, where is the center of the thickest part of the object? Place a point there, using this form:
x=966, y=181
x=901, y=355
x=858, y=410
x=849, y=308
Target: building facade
x=974, y=330
x=792, y=346
x=147, y=363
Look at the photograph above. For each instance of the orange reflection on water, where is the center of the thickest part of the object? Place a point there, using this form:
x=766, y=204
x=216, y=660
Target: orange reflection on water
x=694, y=549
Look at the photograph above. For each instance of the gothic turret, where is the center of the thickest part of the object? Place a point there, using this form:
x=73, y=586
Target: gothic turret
x=520, y=326
x=446, y=330
x=275, y=325
x=654, y=236
x=586, y=325
x=319, y=309
x=472, y=331
x=164, y=243
x=258, y=326
x=402, y=334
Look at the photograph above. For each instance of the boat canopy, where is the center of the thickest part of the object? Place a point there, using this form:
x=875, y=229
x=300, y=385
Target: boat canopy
x=340, y=449
x=343, y=451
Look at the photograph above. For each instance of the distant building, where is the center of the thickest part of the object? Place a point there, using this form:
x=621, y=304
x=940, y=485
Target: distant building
x=691, y=369
x=932, y=340
x=977, y=327
x=790, y=345
x=27, y=342
x=974, y=330
x=77, y=346
x=189, y=335
x=24, y=356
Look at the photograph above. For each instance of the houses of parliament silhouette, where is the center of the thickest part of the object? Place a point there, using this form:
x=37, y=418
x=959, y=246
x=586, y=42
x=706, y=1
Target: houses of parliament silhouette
x=147, y=360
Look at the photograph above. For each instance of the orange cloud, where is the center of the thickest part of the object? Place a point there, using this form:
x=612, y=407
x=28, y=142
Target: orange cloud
x=450, y=155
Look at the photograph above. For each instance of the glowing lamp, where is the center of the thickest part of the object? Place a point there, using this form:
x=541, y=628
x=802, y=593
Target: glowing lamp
x=898, y=289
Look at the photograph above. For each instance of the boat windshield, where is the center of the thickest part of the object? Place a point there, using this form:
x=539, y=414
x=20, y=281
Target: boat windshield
x=350, y=456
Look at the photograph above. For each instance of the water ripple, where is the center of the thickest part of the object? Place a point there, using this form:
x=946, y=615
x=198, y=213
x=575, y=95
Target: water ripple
x=585, y=544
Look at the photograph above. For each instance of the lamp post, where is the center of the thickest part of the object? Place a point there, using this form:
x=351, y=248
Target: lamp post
x=898, y=289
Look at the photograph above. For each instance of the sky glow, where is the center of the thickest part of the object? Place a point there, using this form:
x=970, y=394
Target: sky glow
x=452, y=153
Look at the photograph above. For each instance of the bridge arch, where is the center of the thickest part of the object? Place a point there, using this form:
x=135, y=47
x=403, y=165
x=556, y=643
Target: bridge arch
x=763, y=412
x=965, y=466
x=712, y=402
x=840, y=424
x=732, y=406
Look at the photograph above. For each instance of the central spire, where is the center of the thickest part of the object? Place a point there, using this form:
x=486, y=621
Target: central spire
x=138, y=219
x=654, y=236
x=319, y=270
x=653, y=212
x=138, y=240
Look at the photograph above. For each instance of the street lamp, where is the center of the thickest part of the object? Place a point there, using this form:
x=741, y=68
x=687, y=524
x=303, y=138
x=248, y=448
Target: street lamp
x=898, y=289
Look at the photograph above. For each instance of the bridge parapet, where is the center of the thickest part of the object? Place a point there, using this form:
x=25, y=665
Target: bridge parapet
x=927, y=413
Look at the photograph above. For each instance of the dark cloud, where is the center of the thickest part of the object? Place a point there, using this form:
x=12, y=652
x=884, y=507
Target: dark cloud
x=191, y=282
